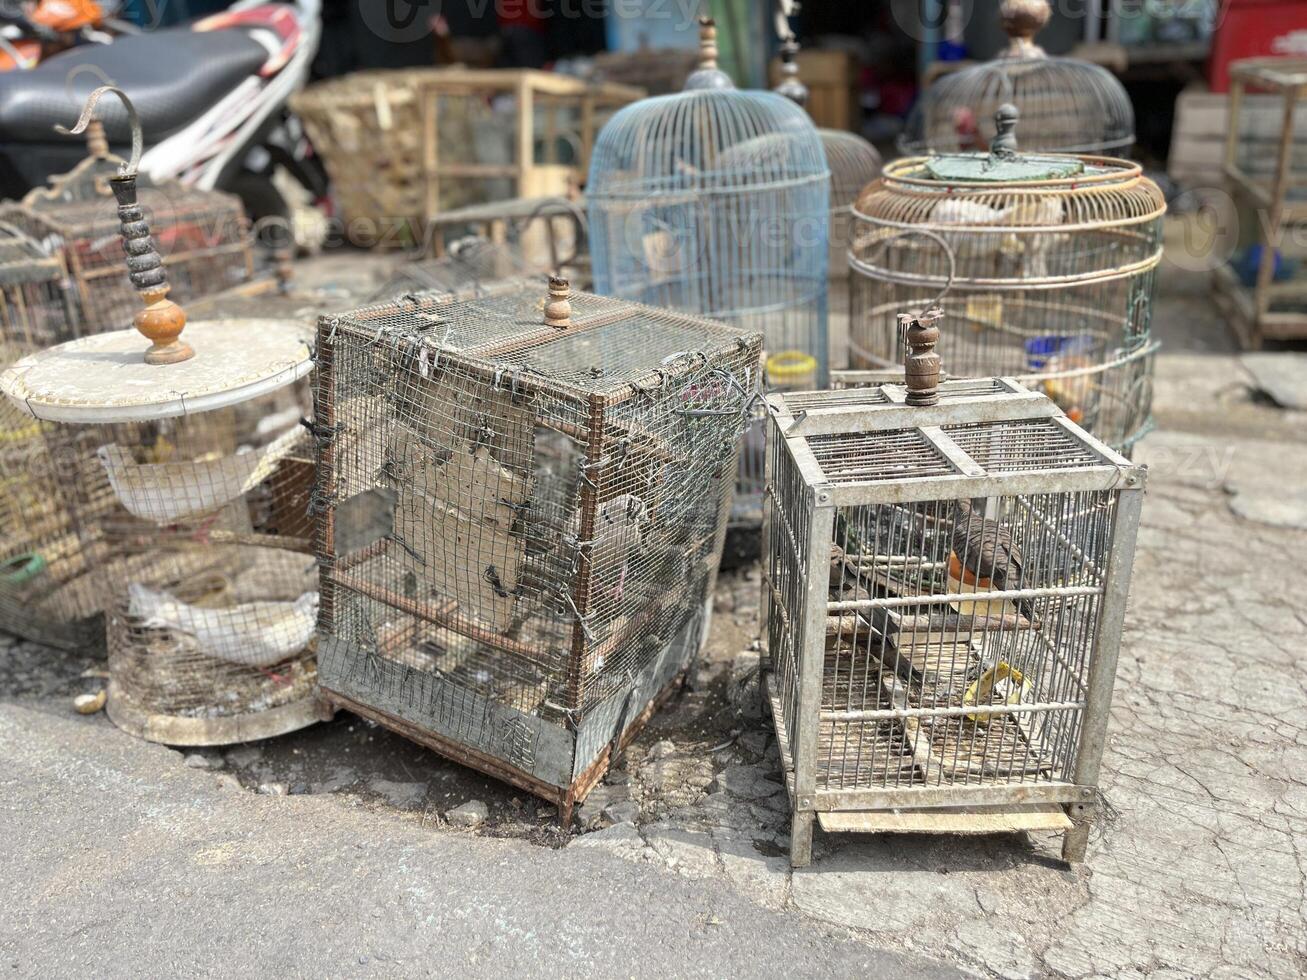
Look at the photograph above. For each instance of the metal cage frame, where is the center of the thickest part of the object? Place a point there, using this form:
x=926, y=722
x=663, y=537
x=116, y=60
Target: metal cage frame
x=805, y=498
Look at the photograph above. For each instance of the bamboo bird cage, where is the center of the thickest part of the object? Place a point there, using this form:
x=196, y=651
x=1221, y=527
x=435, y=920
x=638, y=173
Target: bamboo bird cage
x=1070, y=106
x=524, y=498
x=403, y=146
x=1263, y=291
x=197, y=478
x=46, y=593
x=946, y=570
x=1050, y=265
x=716, y=201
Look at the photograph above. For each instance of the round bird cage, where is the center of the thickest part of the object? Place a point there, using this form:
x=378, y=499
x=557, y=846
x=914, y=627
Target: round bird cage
x=716, y=201
x=1069, y=105
x=1050, y=269
x=197, y=480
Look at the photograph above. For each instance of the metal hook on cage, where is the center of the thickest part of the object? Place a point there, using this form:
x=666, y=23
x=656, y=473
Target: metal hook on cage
x=863, y=266
x=132, y=166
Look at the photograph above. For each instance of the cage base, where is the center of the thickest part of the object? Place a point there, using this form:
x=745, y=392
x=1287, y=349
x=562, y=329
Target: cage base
x=201, y=732
x=1072, y=819
x=564, y=797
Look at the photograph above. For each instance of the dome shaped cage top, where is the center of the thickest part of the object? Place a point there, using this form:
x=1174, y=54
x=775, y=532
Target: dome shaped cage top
x=854, y=163
x=1048, y=280
x=1069, y=106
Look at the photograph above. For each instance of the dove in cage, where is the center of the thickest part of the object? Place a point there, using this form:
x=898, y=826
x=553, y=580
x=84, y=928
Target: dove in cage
x=195, y=478
x=942, y=632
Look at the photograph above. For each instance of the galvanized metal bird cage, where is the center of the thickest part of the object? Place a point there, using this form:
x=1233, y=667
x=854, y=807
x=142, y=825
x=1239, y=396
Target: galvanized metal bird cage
x=45, y=592
x=196, y=484
x=1070, y=106
x=1051, y=262
x=203, y=236
x=523, y=502
x=716, y=201
x=946, y=578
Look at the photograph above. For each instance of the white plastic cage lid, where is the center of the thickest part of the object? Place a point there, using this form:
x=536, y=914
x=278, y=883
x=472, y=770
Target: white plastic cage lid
x=103, y=378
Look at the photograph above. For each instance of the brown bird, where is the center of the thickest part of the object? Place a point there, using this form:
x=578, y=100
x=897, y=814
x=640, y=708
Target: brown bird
x=984, y=556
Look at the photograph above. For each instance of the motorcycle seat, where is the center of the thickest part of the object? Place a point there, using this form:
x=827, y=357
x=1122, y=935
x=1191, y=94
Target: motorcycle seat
x=170, y=75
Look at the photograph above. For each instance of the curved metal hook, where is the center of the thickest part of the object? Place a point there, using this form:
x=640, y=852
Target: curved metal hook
x=130, y=168
x=938, y=239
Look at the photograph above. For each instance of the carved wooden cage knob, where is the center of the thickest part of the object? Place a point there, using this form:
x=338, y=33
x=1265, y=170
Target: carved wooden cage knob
x=1023, y=19
x=707, y=43
x=558, y=307
x=922, y=367
x=162, y=320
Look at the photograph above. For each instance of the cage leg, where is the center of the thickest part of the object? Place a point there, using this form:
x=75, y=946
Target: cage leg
x=1076, y=840
x=801, y=839
x=565, y=811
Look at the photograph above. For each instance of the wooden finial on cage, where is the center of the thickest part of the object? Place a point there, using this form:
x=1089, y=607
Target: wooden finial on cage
x=921, y=367
x=162, y=320
x=1022, y=20
x=707, y=44
x=790, y=85
x=1004, y=145
x=558, y=308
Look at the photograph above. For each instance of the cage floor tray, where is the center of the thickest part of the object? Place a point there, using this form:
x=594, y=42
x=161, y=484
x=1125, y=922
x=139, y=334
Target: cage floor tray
x=949, y=820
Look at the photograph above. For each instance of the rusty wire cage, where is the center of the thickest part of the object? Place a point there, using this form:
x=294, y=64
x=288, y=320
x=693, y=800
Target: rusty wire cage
x=203, y=235
x=1071, y=106
x=193, y=483
x=523, y=504
x=899, y=705
x=46, y=593
x=1050, y=263
x=716, y=201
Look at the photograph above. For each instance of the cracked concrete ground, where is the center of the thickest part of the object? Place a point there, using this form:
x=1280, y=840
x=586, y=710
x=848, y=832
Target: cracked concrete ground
x=135, y=858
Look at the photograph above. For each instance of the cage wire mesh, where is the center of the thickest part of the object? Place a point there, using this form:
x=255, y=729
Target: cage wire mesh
x=203, y=235
x=471, y=263
x=716, y=201
x=1071, y=106
x=944, y=597
x=46, y=593
x=200, y=517
x=1050, y=269
x=523, y=503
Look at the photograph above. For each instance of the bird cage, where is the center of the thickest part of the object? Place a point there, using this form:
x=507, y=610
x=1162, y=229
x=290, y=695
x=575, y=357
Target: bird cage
x=45, y=592
x=1070, y=106
x=853, y=162
x=1051, y=262
x=197, y=478
x=403, y=146
x=1263, y=290
x=716, y=201
x=946, y=571
x=469, y=264
x=523, y=504
x=203, y=236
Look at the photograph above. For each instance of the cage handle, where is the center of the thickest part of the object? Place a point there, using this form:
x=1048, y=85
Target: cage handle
x=558, y=307
x=567, y=209
x=162, y=320
x=935, y=237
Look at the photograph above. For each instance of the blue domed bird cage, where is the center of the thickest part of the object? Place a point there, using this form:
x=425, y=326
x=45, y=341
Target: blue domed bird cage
x=716, y=201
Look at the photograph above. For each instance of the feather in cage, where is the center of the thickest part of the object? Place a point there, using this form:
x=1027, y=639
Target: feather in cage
x=716, y=201
x=1070, y=106
x=525, y=502
x=942, y=635
x=1049, y=262
x=199, y=496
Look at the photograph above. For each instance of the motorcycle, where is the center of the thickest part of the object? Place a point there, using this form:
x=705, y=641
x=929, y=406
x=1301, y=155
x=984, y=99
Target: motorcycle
x=211, y=97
